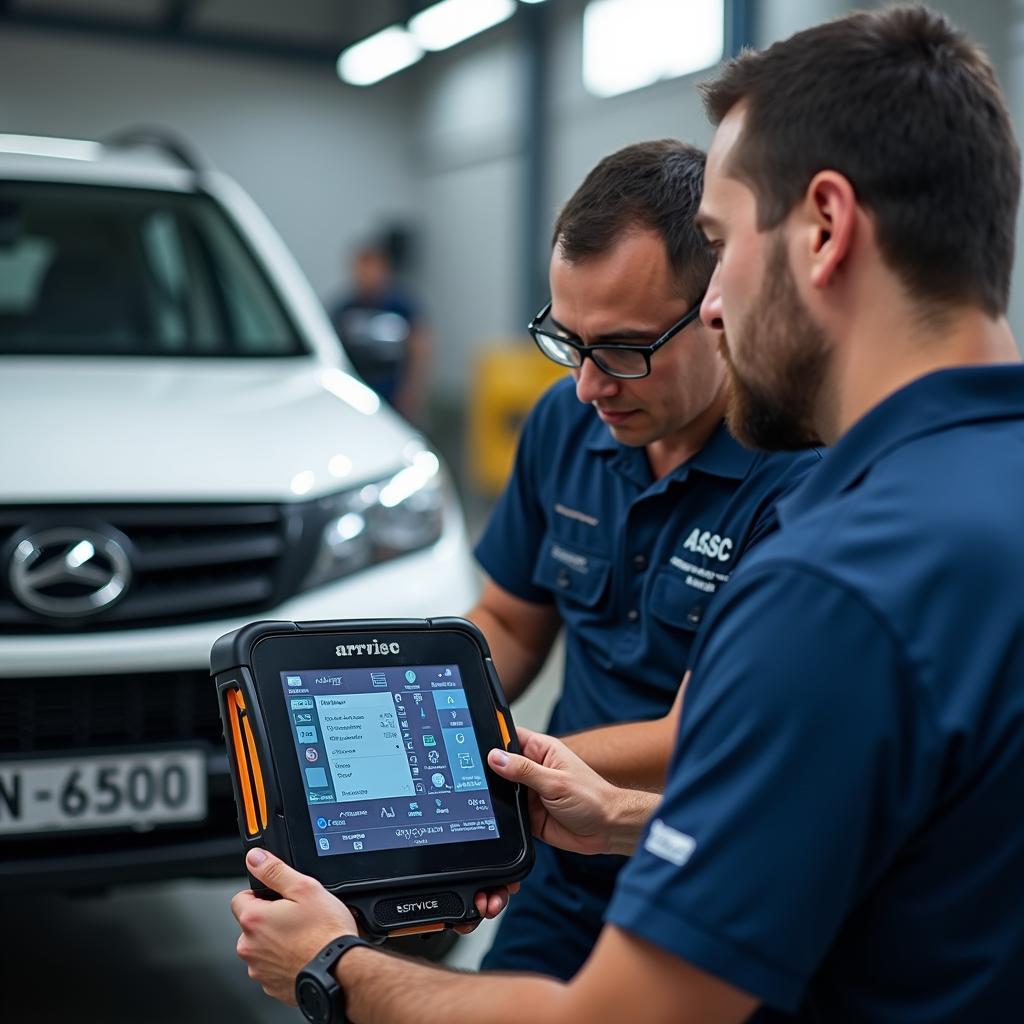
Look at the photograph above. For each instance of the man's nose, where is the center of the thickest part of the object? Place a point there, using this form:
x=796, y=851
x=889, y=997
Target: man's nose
x=711, y=307
x=593, y=383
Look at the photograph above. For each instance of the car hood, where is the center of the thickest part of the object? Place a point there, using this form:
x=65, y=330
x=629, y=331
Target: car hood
x=188, y=430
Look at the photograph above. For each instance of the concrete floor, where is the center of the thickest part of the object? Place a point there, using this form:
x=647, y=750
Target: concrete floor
x=161, y=954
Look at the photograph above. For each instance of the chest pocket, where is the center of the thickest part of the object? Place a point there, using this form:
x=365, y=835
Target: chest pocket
x=570, y=573
x=675, y=602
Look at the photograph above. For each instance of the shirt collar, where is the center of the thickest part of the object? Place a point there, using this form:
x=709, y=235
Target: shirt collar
x=722, y=455
x=600, y=437
x=933, y=403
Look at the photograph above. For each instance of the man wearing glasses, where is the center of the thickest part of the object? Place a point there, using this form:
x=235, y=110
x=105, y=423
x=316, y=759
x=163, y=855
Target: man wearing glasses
x=629, y=506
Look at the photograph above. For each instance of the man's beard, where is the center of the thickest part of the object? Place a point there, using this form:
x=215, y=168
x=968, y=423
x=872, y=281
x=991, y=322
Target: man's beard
x=772, y=401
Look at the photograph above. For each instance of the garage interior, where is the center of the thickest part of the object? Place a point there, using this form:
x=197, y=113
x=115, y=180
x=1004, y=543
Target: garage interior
x=458, y=163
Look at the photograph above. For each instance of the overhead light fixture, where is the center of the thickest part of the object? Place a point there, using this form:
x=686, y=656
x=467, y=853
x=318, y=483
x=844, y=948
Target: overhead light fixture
x=531, y=1
x=378, y=56
x=628, y=44
x=451, y=21
x=37, y=145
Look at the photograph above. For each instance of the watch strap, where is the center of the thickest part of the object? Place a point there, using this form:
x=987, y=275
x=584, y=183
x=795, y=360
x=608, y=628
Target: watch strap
x=317, y=991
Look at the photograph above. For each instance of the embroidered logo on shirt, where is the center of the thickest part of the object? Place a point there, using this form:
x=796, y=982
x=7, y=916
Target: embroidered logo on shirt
x=574, y=561
x=669, y=843
x=712, y=545
x=705, y=580
x=572, y=513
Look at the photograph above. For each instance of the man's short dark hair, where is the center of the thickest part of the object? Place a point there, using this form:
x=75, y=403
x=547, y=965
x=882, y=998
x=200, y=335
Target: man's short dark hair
x=907, y=108
x=654, y=186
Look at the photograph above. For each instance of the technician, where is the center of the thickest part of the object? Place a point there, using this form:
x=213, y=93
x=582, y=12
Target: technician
x=630, y=503
x=839, y=838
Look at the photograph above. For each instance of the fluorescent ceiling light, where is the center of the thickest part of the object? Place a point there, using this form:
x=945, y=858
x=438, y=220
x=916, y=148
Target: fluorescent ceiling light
x=378, y=56
x=36, y=145
x=628, y=44
x=451, y=21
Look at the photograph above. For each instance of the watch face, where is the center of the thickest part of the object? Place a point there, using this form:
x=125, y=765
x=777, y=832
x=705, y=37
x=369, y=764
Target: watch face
x=313, y=1001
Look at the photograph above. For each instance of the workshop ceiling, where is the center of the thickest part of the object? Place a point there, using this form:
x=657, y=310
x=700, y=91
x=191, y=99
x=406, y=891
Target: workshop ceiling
x=299, y=29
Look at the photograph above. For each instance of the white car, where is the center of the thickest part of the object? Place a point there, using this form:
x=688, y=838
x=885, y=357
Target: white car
x=184, y=449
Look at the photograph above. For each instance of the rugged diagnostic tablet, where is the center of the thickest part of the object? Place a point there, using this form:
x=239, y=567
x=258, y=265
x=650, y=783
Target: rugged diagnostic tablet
x=358, y=754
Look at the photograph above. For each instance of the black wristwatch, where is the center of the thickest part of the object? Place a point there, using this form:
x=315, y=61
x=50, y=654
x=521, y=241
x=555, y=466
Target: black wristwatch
x=317, y=991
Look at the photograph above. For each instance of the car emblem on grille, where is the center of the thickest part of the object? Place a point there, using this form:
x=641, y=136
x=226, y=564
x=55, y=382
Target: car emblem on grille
x=69, y=572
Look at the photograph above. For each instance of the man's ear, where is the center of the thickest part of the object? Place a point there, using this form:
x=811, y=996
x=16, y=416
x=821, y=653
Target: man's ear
x=830, y=217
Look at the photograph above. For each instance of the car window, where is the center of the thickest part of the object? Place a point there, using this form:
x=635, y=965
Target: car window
x=95, y=270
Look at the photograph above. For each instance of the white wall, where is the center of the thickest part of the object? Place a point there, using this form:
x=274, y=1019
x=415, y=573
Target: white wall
x=779, y=19
x=586, y=128
x=325, y=161
x=467, y=144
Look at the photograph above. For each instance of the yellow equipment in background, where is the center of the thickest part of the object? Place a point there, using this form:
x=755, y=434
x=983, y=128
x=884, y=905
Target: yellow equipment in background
x=508, y=379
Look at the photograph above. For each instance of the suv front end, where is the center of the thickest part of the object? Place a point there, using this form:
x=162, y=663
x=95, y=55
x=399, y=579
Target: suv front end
x=186, y=450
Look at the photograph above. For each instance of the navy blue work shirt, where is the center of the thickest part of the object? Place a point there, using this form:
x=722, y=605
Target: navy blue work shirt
x=630, y=562
x=841, y=833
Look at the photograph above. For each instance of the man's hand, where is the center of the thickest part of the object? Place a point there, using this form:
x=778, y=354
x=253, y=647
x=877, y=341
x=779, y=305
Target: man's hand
x=489, y=903
x=571, y=806
x=279, y=937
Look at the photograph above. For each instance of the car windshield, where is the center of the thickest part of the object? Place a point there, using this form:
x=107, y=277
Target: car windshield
x=96, y=270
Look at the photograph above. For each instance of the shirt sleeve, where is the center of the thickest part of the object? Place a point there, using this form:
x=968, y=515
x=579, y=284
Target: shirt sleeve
x=508, y=549
x=797, y=773
x=766, y=521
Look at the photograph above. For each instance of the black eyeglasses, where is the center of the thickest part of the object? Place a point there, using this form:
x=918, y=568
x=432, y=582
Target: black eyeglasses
x=627, y=362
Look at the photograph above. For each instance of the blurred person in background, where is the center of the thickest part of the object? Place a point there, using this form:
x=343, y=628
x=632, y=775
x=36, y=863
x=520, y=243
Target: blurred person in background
x=838, y=838
x=629, y=505
x=383, y=332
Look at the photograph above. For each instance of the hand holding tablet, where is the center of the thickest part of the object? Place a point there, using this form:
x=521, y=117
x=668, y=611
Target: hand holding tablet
x=358, y=752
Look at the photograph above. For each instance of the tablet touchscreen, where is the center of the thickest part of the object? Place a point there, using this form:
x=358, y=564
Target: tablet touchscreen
x=389, y=758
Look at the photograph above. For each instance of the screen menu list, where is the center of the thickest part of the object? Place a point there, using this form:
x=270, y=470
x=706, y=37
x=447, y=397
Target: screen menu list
x=389, y=758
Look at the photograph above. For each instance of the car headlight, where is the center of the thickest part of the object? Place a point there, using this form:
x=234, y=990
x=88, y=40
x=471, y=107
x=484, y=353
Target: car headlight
x=381, y=520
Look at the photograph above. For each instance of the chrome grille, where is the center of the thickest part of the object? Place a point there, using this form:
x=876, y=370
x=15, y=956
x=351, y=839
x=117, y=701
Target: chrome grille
x=190, y=562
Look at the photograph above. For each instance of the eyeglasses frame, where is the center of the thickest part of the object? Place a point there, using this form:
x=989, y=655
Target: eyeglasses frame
x=586, y=351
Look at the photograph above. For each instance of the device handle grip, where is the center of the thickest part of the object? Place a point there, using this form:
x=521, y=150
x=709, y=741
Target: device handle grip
x=416, y=911
x=252, y=770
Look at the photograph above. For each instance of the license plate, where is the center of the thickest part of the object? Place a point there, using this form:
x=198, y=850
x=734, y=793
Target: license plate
x=136, y=790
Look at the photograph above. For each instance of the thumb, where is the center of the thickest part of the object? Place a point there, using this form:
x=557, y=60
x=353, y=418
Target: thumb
x=517, y=768
x=275, y=874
